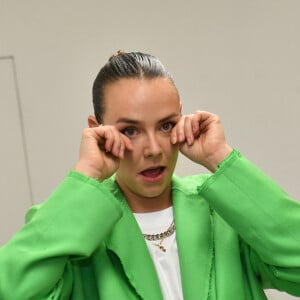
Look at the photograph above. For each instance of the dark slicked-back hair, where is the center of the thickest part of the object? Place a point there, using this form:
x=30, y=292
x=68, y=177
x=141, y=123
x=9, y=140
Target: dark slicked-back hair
x=125, y=65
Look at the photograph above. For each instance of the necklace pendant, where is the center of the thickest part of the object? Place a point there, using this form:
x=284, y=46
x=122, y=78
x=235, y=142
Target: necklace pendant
x=161, y=247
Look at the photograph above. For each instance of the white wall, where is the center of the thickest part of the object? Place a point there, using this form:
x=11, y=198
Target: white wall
x=237, y=58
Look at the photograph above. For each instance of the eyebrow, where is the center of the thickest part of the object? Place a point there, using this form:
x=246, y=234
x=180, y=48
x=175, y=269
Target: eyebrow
x=135, y=122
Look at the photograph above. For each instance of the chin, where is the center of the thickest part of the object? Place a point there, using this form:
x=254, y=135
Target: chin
x=153, y=192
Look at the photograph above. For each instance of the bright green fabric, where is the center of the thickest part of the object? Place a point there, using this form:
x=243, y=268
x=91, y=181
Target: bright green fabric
x=236, y=231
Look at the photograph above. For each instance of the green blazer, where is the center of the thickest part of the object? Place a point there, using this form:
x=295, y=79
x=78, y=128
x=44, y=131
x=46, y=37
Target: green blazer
x=237, y=233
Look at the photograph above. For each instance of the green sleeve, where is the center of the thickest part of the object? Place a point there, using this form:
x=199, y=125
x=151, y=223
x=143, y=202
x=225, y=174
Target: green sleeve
x=265, y=217
x=69, y=225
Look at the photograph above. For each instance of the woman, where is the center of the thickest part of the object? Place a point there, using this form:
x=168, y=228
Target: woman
x=123, y=226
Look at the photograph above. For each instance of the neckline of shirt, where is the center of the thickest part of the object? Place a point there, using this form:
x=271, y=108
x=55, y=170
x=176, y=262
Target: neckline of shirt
x=155, y=222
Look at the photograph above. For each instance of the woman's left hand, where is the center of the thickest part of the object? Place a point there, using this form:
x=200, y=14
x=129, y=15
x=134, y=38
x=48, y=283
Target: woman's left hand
x=201, y=138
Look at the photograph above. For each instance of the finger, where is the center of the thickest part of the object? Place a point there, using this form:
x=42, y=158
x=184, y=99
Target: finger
x=118, y=144
x=208, y=119
x=178, y=133
x=121, y=144
x=127, y=143
x=113, y=141
x=123, y=147
x=173, y=135
x=195, y=123
x=109, y=139
x=106, y=138
x=121, y=150
x=188, y=131
x=99, y=133
x=205, y=117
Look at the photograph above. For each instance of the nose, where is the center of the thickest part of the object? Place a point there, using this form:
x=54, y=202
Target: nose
x=151, y=146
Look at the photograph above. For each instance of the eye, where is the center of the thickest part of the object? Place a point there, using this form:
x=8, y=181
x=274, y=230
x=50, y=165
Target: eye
x=130, y=132
x=167, y=127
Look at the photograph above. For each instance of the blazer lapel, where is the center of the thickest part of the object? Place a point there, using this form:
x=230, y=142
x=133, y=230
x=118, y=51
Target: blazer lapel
x=127, y=242
x=194, y=234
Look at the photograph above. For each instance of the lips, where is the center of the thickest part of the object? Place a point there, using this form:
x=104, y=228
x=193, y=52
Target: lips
x=153, y=172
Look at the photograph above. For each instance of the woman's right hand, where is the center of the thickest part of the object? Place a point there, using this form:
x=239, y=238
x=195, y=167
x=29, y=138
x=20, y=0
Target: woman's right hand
x=101, y=149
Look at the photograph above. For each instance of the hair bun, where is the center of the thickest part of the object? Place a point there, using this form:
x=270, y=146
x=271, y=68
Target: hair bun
x=119, y=53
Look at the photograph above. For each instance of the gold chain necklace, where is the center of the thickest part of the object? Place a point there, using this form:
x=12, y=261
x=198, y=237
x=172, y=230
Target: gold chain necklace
x=161, y=236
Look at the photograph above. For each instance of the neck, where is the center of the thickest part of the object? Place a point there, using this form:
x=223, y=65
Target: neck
x=142, y=204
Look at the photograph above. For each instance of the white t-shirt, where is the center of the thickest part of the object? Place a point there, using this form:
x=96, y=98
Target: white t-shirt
x=166, y=263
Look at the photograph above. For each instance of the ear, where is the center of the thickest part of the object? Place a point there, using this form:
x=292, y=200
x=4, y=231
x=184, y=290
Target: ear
x=180, y=107
x=92, y=122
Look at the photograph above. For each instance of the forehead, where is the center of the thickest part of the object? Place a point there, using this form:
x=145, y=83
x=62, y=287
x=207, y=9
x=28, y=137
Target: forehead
x=140, y=99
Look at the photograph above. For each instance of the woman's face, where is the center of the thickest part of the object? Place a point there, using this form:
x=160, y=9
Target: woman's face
x=145, y=110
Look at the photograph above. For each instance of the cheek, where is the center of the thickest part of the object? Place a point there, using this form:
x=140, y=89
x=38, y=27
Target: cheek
x=130, y=158
x=171, y=149
x=174, y=154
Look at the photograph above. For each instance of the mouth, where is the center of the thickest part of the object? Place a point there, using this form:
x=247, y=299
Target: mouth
x=153, y=174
